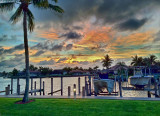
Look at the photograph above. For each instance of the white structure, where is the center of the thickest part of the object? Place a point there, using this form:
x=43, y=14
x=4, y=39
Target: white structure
x=138, y=79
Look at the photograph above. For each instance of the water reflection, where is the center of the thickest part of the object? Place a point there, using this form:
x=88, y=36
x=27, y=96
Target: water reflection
x=67, y=81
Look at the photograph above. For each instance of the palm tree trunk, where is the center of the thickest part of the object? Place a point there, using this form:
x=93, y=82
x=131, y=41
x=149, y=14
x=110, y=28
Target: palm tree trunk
x=25, y=98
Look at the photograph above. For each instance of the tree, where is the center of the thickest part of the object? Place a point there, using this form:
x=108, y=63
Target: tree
x=151, y=60
x=137, y=61
x=28, y=17
x=15, y=72
x=95, y=68
x=32, y=68
x=45, y=70
x=107, y=61
x=121, y=67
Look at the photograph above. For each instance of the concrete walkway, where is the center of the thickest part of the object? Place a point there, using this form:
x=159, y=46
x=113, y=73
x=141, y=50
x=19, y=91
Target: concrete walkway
x=86, y=97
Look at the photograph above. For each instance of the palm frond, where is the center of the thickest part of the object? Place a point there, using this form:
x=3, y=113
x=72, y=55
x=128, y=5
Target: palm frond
x=30, y=19
x=55, y=1
x=7, y=6
x=17, y=15
x=41, y=3
x=56, y=8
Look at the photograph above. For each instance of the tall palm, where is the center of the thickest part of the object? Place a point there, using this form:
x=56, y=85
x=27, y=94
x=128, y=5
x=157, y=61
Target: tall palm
x=152, y=59
x=107, y=61
x=137, y=61
x=24, y=11
x=121, y=67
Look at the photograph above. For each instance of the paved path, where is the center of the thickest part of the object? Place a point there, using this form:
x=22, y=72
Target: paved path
x=86, y=97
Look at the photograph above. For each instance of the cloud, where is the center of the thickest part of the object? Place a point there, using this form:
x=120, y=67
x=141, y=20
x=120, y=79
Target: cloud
x=38, y=53
x=105, y=11
x=156, y=37
x=12, y=62
x=45, y=62
x=56, y=48
x=69, y=46
x=61, y=60
x=11, y=50
x=51, y=46
x=71, y=35
x=6, y=38
x=132, y=24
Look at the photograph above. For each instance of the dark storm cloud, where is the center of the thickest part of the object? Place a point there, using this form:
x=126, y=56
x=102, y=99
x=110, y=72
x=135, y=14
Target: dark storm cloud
x=131, y=24
x=11, y=50
x=50, y=46
x=110, y=11
x=71, y=35
x=38, y=53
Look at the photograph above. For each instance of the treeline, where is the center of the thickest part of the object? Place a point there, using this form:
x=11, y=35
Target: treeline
x=47, y=70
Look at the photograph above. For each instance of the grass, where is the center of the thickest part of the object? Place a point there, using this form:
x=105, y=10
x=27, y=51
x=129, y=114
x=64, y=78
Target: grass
x=79, y=107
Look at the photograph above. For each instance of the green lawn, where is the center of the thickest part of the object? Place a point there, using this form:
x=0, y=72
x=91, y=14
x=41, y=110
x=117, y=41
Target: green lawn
x=79, y=107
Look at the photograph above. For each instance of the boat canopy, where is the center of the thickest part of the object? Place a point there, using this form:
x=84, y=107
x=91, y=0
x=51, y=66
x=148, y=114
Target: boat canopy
x=103, y=76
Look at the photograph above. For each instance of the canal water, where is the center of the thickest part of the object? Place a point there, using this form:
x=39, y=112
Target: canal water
x=67, y=81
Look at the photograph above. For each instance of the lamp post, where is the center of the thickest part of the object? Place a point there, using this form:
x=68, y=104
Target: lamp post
x=74, y=91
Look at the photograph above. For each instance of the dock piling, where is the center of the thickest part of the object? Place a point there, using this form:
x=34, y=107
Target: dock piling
x=51, y=86
x=43, y=88
x=74, y=90
x=69, y=91
x=17, y=84
x=11, y=85
x=89, y=85
x=79, y=85
x=61, y=86
x=35, y=88
x=40, y=84
x=18, y=90
x=31, y=85
x=120, y=87
x=83, y=91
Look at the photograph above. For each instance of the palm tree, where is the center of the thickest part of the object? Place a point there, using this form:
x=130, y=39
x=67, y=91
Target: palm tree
x=121, y=67
x=107, y=61
x=137, y=61
x=151, y=61
x=28, y=17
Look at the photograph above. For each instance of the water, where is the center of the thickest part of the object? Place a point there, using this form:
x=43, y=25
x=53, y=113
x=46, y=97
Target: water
x=67, y=81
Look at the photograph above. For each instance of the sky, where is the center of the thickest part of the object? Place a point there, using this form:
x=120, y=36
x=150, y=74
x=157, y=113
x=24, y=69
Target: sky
x=83, y=34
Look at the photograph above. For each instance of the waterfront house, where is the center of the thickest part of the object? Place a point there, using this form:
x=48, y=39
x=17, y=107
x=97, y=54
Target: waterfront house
x=59, y=72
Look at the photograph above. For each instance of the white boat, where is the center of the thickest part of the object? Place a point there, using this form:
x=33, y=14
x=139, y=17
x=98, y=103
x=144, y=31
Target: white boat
x=101, y=84
x=138, y=79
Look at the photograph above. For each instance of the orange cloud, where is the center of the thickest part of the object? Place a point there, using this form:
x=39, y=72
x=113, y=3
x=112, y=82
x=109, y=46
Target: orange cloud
x=134, y=39
x=95, y=37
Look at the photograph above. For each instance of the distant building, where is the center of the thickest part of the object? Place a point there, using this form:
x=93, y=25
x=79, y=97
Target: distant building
x=59, y=72
x=32, y=73
x=79, y=72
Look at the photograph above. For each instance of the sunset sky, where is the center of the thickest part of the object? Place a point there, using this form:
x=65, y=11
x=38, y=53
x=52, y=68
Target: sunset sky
x=84, y=34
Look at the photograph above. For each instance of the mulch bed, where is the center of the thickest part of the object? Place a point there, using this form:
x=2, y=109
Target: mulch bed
x=21, y=102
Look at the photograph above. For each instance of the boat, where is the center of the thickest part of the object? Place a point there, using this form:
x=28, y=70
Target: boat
x=138, y=79
x=103, y=83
